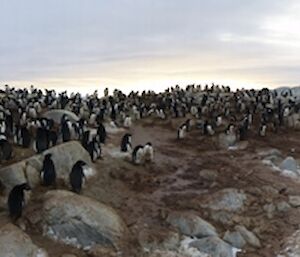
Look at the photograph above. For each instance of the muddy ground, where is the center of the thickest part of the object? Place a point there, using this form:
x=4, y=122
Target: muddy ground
x=144, y=195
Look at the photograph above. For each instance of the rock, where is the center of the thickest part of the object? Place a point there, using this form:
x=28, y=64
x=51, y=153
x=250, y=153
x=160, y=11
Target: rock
x=210, y=175
x=227, y=140
x=56, y=115
x=289, y=163
x=235, y=239
x=191, y=225
x=249, y=236
x=15, y=243
x=64, y=157
x=214, y=247
x=283, y=206
x=294, y=200
x=222, y=217
x=81, y=221
x=229, y=199
x=68, y=255
x=269, y=209
x=158, y=238
x=12, y=175
x=291, y=246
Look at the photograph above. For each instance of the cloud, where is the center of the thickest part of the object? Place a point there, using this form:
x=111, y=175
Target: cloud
x=130, y=42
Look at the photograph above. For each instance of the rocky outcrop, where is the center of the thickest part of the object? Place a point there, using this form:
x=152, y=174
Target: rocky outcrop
x=15, y=243
x=81, y=221
x=64, y=157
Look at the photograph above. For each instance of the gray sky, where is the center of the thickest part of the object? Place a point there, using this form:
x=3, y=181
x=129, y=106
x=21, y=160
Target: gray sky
x=89, y=44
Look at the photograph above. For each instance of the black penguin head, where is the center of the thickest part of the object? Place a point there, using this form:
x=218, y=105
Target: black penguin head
x=48, y=155
x=150, y=144
x=80, y=163
x=25, y=186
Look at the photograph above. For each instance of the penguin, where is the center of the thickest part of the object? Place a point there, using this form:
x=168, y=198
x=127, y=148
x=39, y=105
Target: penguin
x=126, y=143
x=181, y=132
x=65, y=130
x=16, y=201
x=42, y=141
x=94, y=149
x=48, y=173
x=263, y=129
x=210, y=130
x=138, y=154
x=77, y=177
x=5, y=148
x=148, y=152
x=127, y=122
x=101, y=133
x=22, y=136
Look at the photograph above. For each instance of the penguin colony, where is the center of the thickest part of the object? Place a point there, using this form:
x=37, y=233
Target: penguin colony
x=211, y=110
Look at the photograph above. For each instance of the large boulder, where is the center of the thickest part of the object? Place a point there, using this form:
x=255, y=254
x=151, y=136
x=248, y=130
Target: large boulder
x=81, y=221
x=64, y=157
x=15, y=243
x=56, y=115
x=191, y=225
x=229, y=199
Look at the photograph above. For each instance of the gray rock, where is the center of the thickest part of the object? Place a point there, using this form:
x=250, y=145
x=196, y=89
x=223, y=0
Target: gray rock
x=222, y=217
x=270, y=210
x=190, y=224
x=56, y=115
x=229, y=199
x=81, y=221
x=214, y=246
x=12, y=175
x=271, y=152
x=294, y=200
x=249, y=236
x=15, y=243
x=289, y=163
x=235, y=239
x=227, y=140
x=64, y=157
x=283, y=206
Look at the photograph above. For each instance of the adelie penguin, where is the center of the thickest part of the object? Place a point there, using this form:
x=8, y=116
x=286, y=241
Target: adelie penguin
x=148, y=152
x=48, y=172
x=138, y=154
x=126, y=143
x=5, y=148
x=101, y=133
x=16, y=201
x=182, y=130
x=77, y=176
x=94, y=149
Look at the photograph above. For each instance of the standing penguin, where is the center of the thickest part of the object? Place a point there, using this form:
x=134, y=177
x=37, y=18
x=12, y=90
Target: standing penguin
x=42, y=140
x=181, y=132
x=77, y=177
x=138, y=154
x=126, y=143
x=16, y=201
x=101, y=133
x=5, y=148
x=48, y=173
x=148, y=152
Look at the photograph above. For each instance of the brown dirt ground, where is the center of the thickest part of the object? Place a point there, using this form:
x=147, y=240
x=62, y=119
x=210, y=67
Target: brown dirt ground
x=143, y=196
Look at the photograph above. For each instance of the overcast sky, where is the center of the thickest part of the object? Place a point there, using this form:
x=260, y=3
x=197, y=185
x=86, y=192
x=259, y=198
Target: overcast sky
x=79, y=44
